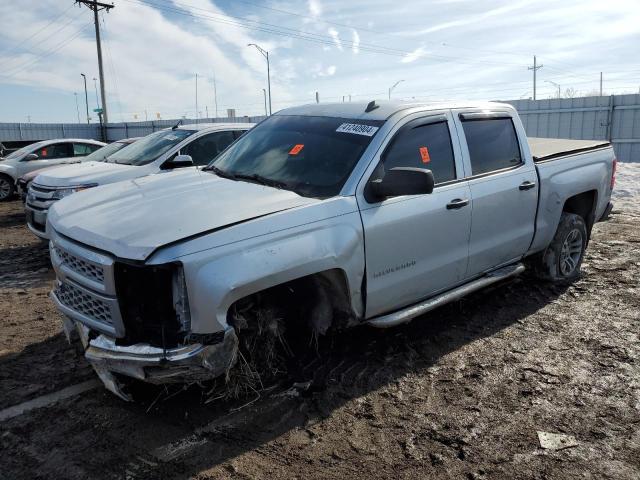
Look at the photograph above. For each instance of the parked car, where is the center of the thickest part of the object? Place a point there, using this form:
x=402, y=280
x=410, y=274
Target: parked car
x=39, y=155
x=345, y=214
x=181, y=146
x=99, y=155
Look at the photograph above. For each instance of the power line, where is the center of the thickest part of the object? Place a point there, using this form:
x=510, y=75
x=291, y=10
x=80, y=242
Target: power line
x=308, y=36
x=22, y=42
x=11, y=73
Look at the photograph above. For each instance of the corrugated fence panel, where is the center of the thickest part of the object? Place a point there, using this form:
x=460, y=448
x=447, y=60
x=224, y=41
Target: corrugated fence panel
x=615, y=118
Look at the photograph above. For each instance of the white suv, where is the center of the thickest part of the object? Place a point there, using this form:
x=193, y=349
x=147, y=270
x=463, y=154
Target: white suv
x=180, y=146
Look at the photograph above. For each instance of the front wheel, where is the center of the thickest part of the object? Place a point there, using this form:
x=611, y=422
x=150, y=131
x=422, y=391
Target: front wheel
x=7, y=187
x=562, y=259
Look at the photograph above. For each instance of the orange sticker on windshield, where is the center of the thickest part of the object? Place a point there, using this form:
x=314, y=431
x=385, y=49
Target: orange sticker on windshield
x=296, y=149
x=424, y=154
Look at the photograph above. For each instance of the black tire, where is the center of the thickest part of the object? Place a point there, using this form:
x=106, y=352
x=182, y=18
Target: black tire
x=562, y=259
x=7, y=187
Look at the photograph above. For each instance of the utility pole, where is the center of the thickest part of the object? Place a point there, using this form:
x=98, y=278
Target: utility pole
x=95, y=85
x=77, y=108
x=86, y=97
x=600, y=83
x=317, y=97
x=96, y=7
x=535, y=68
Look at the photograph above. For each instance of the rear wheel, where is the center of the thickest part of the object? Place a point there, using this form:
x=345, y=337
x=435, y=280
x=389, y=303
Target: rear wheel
x=7, y=187
x=562, y=259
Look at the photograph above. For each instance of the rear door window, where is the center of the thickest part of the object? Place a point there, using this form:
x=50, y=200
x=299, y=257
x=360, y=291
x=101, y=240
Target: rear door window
x=493, y=144
x=83, y=149
x=57, y=150
x=204, y=149
x=421, y=145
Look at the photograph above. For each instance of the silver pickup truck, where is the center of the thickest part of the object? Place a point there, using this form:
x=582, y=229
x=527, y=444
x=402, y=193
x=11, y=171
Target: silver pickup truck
x=351, y=213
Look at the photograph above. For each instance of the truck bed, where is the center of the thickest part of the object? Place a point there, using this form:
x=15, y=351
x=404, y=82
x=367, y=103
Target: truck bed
x=544, y=149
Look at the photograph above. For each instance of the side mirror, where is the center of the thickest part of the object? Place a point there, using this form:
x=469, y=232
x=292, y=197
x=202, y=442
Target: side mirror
x=31, y=156
x=403, y=181
x=179, y=161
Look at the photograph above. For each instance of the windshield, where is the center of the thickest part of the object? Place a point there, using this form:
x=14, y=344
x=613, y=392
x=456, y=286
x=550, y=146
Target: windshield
x=28, y=149
x=101, y=154
x=149, y=148
x=312, y=156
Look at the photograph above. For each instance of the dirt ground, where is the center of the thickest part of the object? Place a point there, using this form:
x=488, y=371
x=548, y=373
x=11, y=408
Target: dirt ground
x=458, y=393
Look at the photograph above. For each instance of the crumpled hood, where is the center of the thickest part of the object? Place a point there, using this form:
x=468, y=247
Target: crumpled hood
x=89, y=172
x=132, y=219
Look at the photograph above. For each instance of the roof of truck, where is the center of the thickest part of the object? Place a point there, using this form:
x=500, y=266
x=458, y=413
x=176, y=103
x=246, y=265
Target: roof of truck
x=385, y=108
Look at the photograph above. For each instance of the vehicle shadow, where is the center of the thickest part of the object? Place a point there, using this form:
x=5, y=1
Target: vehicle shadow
x=180, y=436
x=38, y=369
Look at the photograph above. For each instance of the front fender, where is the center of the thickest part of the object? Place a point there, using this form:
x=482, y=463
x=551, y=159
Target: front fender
x=9, y=170
x=219, y=277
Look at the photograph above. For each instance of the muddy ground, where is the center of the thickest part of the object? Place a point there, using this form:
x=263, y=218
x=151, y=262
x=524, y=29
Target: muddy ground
x=459, y=393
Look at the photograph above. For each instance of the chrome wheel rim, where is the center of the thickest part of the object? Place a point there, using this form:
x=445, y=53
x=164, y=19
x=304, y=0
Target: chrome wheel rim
x=5, y=188
x=571, y=252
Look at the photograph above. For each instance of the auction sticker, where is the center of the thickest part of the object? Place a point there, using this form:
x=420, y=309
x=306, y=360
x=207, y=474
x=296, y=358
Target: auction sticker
x=357, y=129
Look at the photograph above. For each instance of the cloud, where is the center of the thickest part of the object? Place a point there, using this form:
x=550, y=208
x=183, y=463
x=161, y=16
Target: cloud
x=336, y=37
x=414, y=55
x=315, y=8
x=319, y=71
x=356, y=42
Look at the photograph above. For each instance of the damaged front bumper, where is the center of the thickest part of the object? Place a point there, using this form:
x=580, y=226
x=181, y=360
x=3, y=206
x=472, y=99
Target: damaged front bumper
x=186, y=364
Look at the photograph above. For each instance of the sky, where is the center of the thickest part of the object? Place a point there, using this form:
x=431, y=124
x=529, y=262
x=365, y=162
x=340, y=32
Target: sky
x=437, y=49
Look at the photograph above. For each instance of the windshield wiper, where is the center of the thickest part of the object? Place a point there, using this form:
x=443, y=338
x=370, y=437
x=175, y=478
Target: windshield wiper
x=219, y=172
x=254, y=177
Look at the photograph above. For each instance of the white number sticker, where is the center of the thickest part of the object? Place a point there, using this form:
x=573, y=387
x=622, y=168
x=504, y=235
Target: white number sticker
x=357, y=129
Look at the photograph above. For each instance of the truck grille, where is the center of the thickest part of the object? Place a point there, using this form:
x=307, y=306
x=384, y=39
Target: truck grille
x=81, y=267
x=81, y=302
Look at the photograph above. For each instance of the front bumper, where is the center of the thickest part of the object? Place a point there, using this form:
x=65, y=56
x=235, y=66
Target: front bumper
x=186, y=364
x=36, y=221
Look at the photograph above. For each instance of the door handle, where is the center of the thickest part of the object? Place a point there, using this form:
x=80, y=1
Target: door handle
x=457, y=203
x=527, y=185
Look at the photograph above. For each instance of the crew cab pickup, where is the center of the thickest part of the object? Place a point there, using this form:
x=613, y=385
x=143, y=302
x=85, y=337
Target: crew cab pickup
x=353, y=213
x=162, y=151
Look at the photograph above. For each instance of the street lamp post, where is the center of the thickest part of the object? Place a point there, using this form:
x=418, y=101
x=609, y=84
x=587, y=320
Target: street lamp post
x=86, y=96
x=394, y=86
x=556, y=85
x=265, y=102
x=265, y=54
x=77, y=108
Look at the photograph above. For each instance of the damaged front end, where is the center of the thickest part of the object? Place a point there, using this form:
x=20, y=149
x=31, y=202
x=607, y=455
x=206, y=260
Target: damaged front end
x=134, y=320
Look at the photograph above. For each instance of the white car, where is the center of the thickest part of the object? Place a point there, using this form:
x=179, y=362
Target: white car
x=180, y=146
x=40, y=155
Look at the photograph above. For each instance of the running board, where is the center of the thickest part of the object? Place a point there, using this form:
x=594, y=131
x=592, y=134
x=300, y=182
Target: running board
x=408, y=313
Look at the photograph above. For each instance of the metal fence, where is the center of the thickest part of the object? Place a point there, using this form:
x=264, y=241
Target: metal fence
x=24, y=132
x=615, y=118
